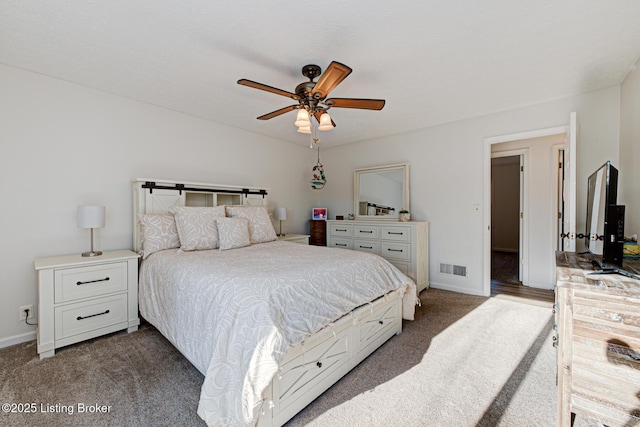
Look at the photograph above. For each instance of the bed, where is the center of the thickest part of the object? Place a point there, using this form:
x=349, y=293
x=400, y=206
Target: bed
x=272, y=324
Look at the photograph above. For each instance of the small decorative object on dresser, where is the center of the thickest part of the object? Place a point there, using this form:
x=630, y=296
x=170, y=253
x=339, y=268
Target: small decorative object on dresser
x=81, y=298
x=319, y=213
x=404, y=216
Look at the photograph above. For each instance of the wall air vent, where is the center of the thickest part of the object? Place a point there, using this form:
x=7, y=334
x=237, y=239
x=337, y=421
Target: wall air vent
x=455, y=270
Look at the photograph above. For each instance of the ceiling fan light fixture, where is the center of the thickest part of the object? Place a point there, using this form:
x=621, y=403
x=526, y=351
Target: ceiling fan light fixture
x=305, y=129
x=302, y=120
x=325, y=122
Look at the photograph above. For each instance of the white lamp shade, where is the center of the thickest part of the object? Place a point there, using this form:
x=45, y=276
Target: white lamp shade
x=302, y=120
x=91, y=216
x=305, y=129
x=325, y=122
x=280, y=213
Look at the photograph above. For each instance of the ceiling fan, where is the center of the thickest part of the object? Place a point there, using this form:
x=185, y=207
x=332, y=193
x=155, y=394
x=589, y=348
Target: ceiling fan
x=312, y=97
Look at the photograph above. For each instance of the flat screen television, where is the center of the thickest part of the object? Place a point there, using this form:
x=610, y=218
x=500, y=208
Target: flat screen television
x=604, y=237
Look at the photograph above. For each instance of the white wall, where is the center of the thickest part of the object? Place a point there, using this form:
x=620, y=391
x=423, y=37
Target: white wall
x=447, y=172
x=62, y=145
x=629, y=190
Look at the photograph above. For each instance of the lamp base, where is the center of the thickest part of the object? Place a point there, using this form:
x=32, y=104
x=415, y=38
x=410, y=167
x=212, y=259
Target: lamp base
x=92, y=253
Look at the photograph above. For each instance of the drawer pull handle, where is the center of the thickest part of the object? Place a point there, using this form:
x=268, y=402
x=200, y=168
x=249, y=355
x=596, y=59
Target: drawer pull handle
x=92, y=315
x=394, y=250
x=366, y=247
x=341, y=244
x=381, y=322
x=319, y=364
x=106, y=279
x=340, y=229
x=366, y=231
x=394, y=232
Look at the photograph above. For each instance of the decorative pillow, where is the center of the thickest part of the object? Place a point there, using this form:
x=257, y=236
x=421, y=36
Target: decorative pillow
x=233, y=233
x=159, y=232
x=197, y=226
x=260, y=227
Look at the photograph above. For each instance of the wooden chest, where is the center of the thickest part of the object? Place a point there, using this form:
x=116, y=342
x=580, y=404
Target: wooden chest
x=598, y=342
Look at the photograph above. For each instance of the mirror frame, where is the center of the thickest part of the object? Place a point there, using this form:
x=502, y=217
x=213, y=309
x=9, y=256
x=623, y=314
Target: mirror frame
x=404, y=167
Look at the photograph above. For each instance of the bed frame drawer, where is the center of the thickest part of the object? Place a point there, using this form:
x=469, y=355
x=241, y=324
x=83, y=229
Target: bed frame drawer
x=377, y=322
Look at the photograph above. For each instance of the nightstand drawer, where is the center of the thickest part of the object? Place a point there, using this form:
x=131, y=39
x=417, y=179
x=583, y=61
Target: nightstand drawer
x=83, y=282
x=396, y=250
x=86, y=316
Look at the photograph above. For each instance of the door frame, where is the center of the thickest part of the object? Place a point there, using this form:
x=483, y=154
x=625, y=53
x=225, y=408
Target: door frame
x=523, y=223
x=488, y=142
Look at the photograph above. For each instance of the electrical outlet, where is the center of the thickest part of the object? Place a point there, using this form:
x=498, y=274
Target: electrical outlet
x=23, y=315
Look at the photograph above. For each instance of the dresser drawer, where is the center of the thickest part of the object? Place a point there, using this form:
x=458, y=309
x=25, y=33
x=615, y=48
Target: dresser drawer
x=341, y=243
x=402, y=266
x=366, y=231
x=396, y=233
x=341, y=230
x=370, y=246
x=86, y=316
x=396, y=250
x=83, y=282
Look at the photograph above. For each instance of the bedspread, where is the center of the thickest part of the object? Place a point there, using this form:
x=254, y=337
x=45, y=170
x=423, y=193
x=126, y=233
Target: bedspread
x=234, y=314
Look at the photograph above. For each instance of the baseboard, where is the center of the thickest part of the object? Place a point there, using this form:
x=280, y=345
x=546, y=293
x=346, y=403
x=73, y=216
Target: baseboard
x=17, y=339
x=459, y=289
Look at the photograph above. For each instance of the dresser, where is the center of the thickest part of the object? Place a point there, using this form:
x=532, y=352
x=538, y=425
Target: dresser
x=598, y=343
x=404, y=244
x=84, y=297
x=318, y=232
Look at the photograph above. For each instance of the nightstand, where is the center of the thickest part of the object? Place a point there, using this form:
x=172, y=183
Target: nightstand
x=84, y=297
x=296, y=238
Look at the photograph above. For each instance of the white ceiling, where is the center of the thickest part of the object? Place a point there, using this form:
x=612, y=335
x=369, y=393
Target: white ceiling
x=433, y=61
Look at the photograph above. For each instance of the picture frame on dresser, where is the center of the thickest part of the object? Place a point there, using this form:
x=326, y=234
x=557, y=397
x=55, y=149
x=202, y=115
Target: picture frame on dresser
x=319, y=213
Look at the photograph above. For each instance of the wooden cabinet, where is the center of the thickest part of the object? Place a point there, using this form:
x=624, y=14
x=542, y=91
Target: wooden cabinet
x=85, y=297
x=598, y=343
x=404, y=244
x=318, y=232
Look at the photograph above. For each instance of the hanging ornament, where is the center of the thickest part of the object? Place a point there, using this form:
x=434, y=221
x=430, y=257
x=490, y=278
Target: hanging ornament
x=318, y=181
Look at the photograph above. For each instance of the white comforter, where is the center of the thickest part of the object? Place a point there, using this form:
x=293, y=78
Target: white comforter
x=234, y=314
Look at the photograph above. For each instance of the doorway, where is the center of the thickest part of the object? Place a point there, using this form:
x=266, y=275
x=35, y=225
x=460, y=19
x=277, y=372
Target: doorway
x=507, y=203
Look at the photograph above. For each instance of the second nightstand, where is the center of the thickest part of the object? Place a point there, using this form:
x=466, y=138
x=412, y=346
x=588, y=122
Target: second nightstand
x=296, y=238
x=85, y=297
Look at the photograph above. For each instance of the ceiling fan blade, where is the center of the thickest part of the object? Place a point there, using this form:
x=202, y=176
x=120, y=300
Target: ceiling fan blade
x=317, y=115
x=256, y=85
x=365, y=104
x=333, y=75
x=276, y=113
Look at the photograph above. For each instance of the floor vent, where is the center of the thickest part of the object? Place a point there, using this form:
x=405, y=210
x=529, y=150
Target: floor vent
x=456, y=270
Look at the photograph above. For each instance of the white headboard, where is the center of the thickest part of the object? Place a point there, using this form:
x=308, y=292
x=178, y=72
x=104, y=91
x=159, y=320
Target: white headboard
x=157, y=196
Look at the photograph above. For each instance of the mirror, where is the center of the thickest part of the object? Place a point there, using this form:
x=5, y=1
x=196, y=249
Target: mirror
x=381, y=192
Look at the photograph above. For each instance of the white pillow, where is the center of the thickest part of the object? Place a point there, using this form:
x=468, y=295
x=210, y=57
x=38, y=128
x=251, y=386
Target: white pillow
x=159, y=232
x=233, y=233
x=260, y=227
x=197, y=226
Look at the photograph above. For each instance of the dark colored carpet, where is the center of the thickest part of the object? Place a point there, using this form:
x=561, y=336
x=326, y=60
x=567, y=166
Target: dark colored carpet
x=465, y=361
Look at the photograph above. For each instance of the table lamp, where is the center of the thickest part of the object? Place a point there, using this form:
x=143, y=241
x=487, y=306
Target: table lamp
x=280, y=214
x=91, y=217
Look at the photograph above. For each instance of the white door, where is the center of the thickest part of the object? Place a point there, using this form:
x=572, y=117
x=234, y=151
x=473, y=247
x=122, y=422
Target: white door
x=569, y=220
x=521, y=222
